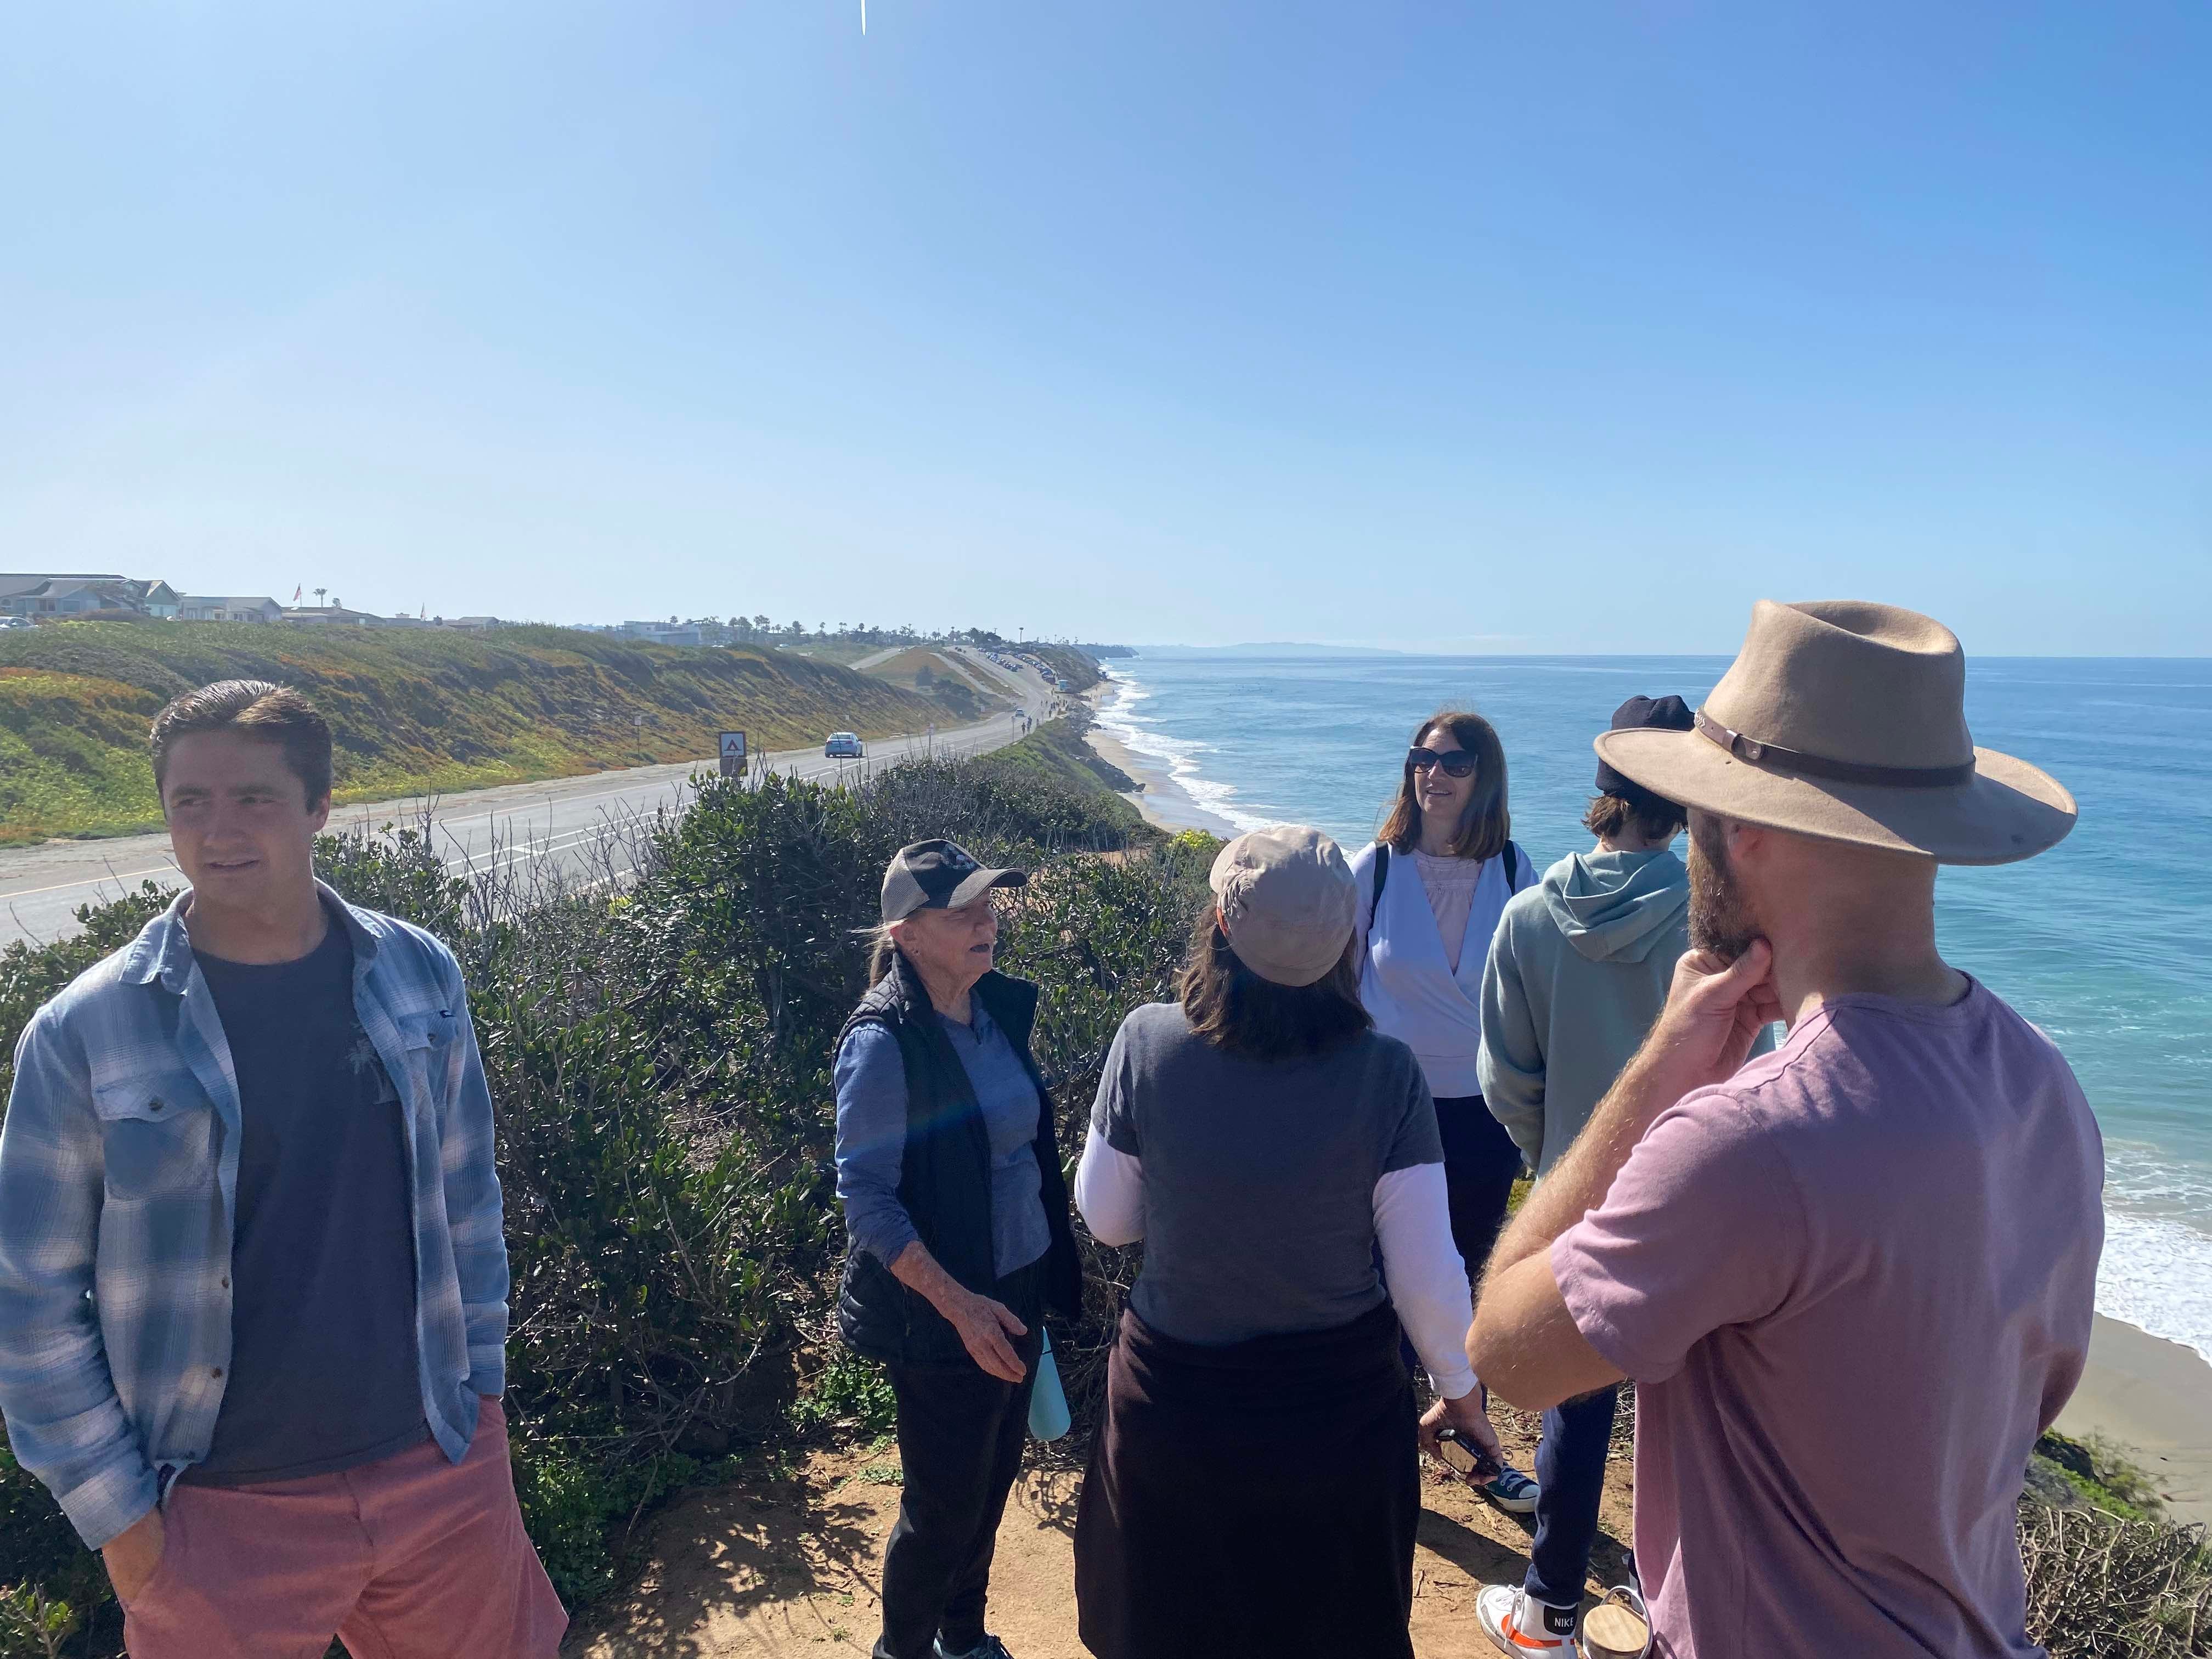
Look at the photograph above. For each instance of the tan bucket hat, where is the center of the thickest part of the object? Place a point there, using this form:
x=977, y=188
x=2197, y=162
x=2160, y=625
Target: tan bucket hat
x=1287, y=901
x=1846, y=720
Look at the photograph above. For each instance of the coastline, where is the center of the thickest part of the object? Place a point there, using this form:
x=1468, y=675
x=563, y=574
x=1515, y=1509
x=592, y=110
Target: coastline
x=2152, y=1399
x=1164, y=803
x=2149, y=1396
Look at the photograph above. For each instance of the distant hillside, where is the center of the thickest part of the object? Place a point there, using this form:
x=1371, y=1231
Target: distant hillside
x=967, y=693
x=411, y=711
x=1077, y=668
x=1055, y=757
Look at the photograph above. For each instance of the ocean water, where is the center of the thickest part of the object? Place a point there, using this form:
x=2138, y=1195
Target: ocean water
x=2103, y=942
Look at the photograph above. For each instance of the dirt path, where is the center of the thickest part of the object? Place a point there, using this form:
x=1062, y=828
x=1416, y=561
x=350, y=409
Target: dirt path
x=789, y=1567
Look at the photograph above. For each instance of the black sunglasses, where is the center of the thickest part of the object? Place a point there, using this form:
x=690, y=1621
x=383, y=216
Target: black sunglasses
x=1457, y=765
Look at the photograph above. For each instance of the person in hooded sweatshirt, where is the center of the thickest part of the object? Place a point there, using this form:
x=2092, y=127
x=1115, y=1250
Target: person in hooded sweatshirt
x=1578, y=971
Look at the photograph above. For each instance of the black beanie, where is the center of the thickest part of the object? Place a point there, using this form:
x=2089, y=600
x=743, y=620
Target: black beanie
x=1668, y=714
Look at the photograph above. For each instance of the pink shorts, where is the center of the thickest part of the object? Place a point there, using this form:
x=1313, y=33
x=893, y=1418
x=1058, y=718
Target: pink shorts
x=408, y=1558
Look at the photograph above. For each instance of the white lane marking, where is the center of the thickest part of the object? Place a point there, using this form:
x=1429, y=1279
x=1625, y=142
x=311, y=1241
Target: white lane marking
x=92, y=881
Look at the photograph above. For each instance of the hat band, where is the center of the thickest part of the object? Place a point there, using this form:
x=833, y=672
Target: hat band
x=1756, y=753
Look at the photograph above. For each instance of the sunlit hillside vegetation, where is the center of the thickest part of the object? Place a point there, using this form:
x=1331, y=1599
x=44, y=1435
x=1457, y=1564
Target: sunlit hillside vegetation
x=412, y=711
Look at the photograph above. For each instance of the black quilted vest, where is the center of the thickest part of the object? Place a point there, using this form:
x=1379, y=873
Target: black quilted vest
x=945, y=1180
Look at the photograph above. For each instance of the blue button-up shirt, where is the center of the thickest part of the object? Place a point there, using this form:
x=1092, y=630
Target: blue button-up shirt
x=872, y=1139
x=118, y=1175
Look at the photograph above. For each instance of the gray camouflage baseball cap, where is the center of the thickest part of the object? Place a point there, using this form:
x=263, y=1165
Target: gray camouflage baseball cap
x=939, y=875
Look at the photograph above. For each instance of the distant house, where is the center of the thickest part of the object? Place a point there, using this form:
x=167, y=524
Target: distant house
x=15, y=584
x=471, y=624
x=36, y=594
x=53, y=598
x=330, y=613
x=208, y=607
x=158, y=599
x=699, y=630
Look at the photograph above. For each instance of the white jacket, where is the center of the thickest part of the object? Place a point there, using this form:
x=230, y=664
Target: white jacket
x=1406, y=980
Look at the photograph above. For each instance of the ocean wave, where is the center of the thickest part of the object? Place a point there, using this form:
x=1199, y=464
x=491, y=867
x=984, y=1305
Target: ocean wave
x=2156, y=1276
x=1119, y=717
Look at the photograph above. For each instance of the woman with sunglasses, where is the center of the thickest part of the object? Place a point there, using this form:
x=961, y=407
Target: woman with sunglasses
x=1433, y=885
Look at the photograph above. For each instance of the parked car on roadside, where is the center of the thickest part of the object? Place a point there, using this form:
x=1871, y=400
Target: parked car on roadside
x=843, y=745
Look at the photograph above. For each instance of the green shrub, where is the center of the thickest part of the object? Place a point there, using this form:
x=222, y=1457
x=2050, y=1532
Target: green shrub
x=33, y=1625
x=851, y=1394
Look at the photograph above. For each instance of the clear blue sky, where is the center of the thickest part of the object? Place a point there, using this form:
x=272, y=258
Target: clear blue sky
x=1435, y=325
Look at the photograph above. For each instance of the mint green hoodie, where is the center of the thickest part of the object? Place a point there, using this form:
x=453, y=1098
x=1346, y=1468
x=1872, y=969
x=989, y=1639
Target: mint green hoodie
x=1577, y=972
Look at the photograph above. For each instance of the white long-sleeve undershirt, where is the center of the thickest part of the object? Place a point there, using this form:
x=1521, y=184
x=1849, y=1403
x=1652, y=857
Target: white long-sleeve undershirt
x=1109, y=1191
x=1421, y=1266
x=1427, y=1279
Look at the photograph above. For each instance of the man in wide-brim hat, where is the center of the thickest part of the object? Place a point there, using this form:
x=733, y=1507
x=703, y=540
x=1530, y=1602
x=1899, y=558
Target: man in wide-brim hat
x=1854, y=1280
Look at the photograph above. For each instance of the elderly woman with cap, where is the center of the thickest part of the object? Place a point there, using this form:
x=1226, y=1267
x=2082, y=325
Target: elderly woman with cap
x=949, y=1175
x=1254, y=1487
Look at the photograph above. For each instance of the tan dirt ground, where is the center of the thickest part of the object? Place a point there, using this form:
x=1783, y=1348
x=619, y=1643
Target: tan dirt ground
x=788, y=1567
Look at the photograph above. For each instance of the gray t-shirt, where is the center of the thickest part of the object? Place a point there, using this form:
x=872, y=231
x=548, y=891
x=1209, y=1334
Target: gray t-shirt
x=323, y=1371
x=1259, y=1175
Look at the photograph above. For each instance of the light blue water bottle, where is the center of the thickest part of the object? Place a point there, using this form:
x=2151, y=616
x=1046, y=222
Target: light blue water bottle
x=1048, y=1418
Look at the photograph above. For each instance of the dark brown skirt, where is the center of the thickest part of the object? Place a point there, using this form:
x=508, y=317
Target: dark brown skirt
x=1259, y=1498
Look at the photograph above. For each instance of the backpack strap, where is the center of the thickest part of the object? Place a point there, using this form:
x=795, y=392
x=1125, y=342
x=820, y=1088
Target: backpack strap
x=1512, y=866
x=1382, y=874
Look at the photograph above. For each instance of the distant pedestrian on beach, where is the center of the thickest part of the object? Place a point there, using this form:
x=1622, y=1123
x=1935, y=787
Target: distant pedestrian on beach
x=1578, y=973
x=1254, y=1487
x=1431, y=887
x=252, y=1278
x=1854, y=1280
x=948, y=1169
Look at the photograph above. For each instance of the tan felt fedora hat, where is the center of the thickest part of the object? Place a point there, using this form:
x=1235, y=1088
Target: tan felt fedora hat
x=1846, y=720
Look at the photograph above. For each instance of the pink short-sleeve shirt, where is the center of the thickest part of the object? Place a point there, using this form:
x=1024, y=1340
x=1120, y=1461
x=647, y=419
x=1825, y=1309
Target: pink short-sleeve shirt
x=1851, y=1285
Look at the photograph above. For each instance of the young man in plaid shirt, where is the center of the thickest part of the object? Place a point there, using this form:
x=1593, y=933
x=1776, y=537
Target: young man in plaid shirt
x=252, y=1280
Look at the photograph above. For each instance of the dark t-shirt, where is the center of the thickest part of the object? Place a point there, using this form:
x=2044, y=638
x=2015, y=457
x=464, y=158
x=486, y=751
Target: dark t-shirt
x=323, y=1371
x=1258, y=1175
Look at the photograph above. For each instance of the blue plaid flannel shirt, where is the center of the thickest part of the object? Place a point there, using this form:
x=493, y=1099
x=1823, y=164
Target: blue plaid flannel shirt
x=118, y=1167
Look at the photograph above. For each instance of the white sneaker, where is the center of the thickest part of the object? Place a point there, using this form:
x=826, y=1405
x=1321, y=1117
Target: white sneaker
x=1520, y=1624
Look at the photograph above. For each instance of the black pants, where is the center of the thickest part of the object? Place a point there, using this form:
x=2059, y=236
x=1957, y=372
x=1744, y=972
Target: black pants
x=1571, y=1479
x=1481, y=1163
x=960, y=1434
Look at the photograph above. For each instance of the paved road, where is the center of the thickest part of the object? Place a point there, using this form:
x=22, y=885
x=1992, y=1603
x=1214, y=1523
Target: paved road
x=570, y=820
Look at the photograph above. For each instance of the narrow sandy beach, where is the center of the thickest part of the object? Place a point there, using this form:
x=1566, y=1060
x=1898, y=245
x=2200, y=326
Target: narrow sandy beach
x=1162, y=800
x=2154, y=1398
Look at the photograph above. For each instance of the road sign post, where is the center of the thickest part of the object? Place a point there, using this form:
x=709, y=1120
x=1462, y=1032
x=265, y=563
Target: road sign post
x=733, y=754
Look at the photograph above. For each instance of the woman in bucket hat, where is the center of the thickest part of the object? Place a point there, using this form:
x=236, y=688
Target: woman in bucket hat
x=1853, y=1280
x=1254, y=1487
x=950, y=1173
